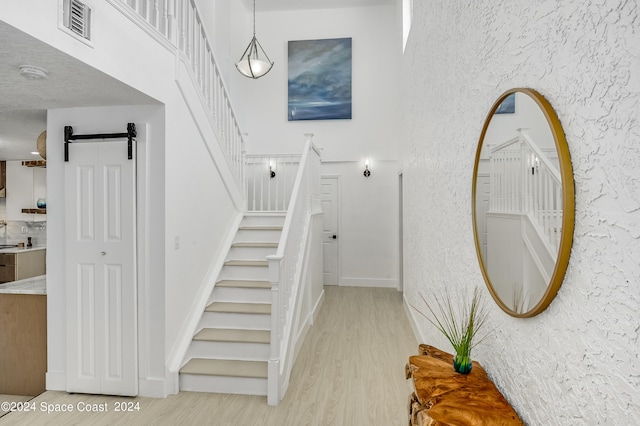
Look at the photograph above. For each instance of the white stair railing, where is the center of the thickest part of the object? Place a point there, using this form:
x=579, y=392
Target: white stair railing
x=286, y=272
x=525, y=181
x=177, y=24
x=270, y=180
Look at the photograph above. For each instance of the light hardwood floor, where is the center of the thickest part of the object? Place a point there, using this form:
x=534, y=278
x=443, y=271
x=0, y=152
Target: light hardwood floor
x=350, y=371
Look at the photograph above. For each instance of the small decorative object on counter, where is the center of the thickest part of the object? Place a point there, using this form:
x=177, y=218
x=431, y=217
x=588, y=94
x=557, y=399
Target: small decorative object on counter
x=460, y=326
x=41, y=203
x=29, y=242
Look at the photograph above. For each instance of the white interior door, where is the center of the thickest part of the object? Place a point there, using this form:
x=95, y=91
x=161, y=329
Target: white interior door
x=100, y=269
x=329, y=188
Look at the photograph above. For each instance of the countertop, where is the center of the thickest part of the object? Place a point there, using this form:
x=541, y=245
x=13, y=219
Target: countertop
x=20, y=249
x=35, y=285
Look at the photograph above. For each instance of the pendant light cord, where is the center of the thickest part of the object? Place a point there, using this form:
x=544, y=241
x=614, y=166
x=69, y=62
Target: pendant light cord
x=254, y=18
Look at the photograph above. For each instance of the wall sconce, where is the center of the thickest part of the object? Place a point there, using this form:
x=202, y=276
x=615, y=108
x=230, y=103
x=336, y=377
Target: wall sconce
x=535, y=164
x=366, y=172
x=272, y=173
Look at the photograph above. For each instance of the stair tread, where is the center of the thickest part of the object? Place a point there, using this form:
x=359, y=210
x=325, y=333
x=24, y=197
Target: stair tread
x=244, y=284
x=233, y=335
x=260, y=244
x=233, y=262
x=239, y=308
x=265, y=214
x=223, y=367
x=260, y=228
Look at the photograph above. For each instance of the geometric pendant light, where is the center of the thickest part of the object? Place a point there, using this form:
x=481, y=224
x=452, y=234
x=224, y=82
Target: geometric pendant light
x=254, y=62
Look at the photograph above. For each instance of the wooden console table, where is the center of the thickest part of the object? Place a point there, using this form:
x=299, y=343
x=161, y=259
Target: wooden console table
x=443, y=397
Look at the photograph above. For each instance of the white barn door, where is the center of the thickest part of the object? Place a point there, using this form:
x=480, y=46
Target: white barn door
x=100, y=269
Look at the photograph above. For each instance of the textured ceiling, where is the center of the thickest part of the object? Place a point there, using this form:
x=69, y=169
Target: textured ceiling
x=70, y=83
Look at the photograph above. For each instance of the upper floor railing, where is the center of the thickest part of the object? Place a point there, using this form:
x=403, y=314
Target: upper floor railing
x=270, y=180
x=178, y=24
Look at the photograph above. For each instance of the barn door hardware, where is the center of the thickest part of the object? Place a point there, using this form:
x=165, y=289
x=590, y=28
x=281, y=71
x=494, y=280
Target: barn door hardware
x=130, y=134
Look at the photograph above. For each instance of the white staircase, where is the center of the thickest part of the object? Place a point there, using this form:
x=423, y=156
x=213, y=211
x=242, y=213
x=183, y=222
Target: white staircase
x=230, y=349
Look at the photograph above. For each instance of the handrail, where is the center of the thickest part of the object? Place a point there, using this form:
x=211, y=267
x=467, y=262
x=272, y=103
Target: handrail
x=285, y=272
x=177, y=23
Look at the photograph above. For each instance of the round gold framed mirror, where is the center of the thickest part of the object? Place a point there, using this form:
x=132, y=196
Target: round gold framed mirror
x=523, y=202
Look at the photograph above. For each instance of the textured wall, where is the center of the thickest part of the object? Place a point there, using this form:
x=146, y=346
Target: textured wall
x=577, y=362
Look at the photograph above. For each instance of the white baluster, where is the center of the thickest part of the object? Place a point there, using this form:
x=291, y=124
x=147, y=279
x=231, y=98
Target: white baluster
x=167, y=18
x=156, y=16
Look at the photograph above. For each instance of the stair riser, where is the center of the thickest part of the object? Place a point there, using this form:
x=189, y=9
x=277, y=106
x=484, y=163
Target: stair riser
x=229, y=350
x=251, y=220
x=251, y=253
x=244, y=273
x=223, y=384
x=241, y=295
x=252, y=235
x=227, y=320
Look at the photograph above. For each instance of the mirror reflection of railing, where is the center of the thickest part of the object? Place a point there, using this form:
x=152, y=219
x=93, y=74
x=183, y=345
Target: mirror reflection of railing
x=178, y=26
x=523, y=203
x=270, y=180
x=525, y=181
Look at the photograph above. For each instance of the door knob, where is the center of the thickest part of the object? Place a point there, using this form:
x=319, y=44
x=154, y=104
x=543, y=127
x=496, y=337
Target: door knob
x=334, y=236
x=103, y=253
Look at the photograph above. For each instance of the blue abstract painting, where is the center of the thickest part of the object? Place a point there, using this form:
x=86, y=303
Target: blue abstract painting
x=320, y=79
x=508, y=105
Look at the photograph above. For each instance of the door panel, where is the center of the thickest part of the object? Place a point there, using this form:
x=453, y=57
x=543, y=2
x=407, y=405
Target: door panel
x=329, y=188
x=101, y=289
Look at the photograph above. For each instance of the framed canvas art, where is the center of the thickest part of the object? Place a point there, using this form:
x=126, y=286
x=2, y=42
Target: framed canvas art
x=508, y=106
x=319, y=80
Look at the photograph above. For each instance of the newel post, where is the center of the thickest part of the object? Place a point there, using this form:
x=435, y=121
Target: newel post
x=273, y=372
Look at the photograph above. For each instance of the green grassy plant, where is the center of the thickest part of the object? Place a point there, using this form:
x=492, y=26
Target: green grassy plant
x=461, y=324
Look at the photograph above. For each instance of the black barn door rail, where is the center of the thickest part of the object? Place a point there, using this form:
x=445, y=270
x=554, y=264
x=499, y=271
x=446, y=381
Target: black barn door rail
x=69, y=137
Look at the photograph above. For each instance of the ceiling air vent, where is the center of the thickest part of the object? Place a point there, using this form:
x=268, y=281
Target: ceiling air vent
x=77, y=18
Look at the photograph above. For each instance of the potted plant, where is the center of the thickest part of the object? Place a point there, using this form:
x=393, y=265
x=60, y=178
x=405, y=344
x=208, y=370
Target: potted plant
x=460, y=324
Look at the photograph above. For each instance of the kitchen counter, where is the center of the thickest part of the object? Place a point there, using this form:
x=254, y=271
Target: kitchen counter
x=20, y=249
x=35, y=285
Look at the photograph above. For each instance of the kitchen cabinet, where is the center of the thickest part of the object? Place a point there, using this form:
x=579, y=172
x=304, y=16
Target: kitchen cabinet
x=18, y=264
x=23, y=337
x=25, y=185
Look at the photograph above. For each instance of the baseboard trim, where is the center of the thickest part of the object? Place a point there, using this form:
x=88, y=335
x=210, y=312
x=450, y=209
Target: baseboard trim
x=56, y=381
x=368, y=282
x=316, y=308
x=152, y=388
x=412, y=320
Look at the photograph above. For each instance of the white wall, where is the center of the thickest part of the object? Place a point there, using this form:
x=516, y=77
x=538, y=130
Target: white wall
x=576, y=362
x=376, y=43
x=367, y=223
x=368, y=207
